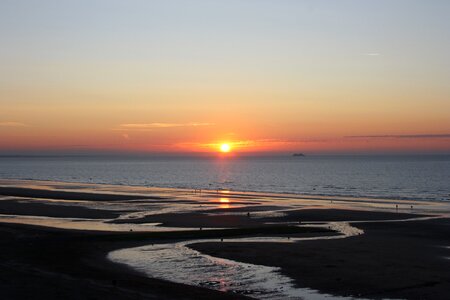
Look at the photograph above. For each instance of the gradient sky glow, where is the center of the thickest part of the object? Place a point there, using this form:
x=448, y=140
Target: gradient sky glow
x=348, y=76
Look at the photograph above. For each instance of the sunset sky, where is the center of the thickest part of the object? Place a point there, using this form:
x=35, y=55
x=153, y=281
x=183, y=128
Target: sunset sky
x=264, y=76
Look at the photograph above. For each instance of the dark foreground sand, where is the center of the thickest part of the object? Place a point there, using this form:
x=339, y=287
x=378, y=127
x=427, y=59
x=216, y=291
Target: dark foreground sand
x=44, y=263
x=40, y=263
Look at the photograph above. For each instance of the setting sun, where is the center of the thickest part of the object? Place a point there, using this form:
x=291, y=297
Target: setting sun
x=225, y=148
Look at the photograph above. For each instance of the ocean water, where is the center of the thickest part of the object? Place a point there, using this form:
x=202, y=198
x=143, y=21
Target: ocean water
x=394, y=177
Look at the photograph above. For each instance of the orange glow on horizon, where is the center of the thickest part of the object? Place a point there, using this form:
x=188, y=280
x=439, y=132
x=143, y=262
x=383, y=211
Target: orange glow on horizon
x=35, y=139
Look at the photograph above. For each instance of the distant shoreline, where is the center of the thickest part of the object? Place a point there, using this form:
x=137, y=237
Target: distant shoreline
x=256, y=192
x=214, y=155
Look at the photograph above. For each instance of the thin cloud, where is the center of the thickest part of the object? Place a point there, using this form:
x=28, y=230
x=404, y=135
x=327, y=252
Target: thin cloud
x=401, y=136
x=12, y=124
x=372, y=54
x=150, y=126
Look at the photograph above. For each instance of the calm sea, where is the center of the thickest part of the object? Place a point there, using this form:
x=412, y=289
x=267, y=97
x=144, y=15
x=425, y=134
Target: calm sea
x=398, y=177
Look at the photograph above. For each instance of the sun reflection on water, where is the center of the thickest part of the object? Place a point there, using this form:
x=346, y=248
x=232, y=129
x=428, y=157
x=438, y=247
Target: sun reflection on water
x=224, y=203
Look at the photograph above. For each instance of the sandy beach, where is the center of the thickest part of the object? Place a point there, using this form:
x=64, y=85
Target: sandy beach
x=402, y=253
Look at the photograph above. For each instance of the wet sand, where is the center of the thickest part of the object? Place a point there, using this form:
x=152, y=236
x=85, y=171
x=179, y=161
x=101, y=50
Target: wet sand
x=226, y=220
x=401, y=260
x=67, y=195
x=27, y=208
x=41, y=263
x=197, y=220
x=405, y=259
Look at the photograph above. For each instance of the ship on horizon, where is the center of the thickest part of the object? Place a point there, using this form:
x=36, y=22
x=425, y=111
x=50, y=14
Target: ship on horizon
x=298, y=154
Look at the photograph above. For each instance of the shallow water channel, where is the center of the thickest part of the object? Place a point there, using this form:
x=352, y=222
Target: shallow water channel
x=178, y=263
